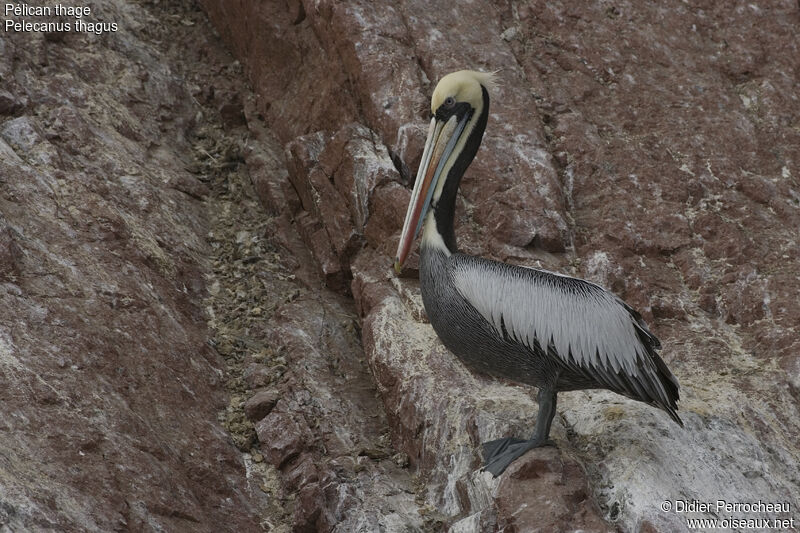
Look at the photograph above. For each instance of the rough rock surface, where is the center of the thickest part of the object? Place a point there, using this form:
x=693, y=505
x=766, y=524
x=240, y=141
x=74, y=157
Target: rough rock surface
x=109, y=388
x=151, y=302
x=166, y=238
x=304, y=405
x=649, y=148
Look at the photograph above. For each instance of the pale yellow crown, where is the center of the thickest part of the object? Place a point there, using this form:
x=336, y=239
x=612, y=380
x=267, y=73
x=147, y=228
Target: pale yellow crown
x=464, y=86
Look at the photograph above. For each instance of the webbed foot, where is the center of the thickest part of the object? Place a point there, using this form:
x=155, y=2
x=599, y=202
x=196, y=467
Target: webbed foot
x=498, y=454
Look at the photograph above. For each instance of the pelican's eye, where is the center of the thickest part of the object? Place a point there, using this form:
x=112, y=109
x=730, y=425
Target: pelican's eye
x=449, y=102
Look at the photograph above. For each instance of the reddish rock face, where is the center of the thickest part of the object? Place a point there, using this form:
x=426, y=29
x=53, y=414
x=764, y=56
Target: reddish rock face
x=335, y=179
x=261, y=404
x=652, y=150
x=521, y=502
x=109, y=388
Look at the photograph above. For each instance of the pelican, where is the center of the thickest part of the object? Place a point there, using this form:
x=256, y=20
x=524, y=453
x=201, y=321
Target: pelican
x=554, y=332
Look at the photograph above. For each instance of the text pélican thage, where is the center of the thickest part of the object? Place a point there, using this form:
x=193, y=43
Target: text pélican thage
x=20, y=17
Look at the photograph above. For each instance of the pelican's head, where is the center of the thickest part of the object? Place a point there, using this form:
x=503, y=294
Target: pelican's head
x=459, y=107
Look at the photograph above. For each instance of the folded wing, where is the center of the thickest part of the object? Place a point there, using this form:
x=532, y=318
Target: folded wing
x=590, y=330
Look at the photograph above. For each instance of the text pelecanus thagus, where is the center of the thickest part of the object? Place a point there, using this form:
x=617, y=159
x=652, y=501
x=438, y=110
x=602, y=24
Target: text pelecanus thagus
x=555, y=332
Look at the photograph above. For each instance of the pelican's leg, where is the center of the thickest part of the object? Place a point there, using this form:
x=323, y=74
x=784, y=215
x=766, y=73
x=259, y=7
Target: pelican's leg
x=500, y=453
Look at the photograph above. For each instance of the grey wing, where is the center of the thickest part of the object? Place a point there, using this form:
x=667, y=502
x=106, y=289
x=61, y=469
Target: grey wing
x=590, y=330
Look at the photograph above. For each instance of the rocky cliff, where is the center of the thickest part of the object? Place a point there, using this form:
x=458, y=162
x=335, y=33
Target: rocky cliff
x=201, y=328
x=651, y=149
x=110, y=388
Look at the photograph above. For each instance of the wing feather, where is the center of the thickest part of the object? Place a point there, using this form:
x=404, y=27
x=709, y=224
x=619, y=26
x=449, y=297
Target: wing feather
x=586, y=327
x=575, y=316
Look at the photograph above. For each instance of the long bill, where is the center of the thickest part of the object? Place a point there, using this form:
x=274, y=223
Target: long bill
x=442, y=140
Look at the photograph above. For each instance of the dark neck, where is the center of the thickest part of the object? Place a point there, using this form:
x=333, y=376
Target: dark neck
x=445, y=209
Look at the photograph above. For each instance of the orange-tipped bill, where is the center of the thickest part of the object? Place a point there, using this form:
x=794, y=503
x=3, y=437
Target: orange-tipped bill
x=442, y=138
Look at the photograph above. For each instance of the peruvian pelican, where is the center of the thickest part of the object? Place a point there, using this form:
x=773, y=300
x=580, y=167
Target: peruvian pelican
x=555, y=332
